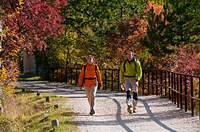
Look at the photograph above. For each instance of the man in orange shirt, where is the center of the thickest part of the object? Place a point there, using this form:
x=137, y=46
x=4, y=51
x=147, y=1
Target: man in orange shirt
x=90, y=78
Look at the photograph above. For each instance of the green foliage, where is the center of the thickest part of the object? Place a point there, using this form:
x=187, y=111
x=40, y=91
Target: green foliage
x=143, y=56
x=54, y=56
x=100, y=15
x=34, y=78
x=92, y=21
x=87, y=27
x=59, y=53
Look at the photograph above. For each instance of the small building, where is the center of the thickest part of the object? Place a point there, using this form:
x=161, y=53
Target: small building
x=29, y=64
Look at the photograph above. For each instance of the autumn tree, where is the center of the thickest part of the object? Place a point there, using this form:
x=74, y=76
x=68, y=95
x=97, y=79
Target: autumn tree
x=171, y=23
x=187, y=60
x=27, y=24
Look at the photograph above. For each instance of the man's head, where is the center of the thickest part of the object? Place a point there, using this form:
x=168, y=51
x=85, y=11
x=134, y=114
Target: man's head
x=90, y=59
x=130, y=54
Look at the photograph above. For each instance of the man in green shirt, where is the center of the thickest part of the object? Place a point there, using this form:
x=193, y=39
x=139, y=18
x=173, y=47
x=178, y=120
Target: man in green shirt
x=130, y=74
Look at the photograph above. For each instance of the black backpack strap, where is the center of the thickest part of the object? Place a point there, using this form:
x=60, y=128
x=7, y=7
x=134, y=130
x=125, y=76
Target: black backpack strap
x=96, y=72
x=124, y=65
x=135, y=65
x=84, y=74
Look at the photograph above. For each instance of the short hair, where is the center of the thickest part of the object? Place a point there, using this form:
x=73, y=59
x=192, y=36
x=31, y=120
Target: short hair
x=90, y=56
x=129, y=50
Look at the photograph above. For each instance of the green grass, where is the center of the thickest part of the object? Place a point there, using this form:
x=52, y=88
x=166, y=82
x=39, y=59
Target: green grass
x=41, y=120
x=34, y=78
x=36, y=114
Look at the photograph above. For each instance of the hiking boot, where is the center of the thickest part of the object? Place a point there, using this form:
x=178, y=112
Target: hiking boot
x=130, y=109
x=92, y=112
x=134, y=105
x=134, y=110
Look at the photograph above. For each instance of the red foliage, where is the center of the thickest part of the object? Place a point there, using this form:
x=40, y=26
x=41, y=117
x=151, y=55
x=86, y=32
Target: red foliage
x=27, y=27
x=11, y=42
x=188, y=61
x=34, y=22
x=41, y=20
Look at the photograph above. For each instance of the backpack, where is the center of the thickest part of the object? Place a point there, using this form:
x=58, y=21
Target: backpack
x=84, y=73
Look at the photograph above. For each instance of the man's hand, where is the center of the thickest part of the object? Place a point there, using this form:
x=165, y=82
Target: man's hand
x=100, y=86
x=122, y=86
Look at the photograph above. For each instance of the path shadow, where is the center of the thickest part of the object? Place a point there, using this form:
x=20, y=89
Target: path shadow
x=154, y=118
x=145, y=117
x=119, y=118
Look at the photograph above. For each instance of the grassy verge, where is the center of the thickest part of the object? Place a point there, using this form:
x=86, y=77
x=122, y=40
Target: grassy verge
x=32, y=113
x=34, y=78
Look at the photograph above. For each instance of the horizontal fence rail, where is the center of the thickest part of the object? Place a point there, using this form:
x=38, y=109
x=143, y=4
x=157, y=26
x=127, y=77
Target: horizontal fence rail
x=182, y=90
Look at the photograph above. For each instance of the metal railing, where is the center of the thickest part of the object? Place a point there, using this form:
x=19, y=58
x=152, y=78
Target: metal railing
x=70, y=75
x=183, y=90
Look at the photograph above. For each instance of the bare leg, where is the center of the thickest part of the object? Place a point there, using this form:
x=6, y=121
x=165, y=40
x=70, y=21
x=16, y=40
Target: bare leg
x=91, y=92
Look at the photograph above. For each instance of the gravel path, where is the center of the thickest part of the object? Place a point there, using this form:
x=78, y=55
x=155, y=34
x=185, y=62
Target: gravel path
x=153, y=114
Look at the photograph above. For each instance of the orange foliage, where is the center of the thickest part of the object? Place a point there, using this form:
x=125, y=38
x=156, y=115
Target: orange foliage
x=157, y=9
x=140, y=31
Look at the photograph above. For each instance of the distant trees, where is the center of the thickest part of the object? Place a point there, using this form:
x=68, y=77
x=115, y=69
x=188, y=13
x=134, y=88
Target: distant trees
x=94, y=22
x=172, y=23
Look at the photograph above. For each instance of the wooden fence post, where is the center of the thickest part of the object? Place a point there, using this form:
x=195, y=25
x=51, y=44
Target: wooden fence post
x=181, y=91
x=192, y=100
x=185, y=91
